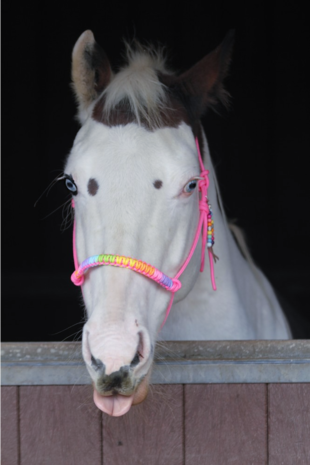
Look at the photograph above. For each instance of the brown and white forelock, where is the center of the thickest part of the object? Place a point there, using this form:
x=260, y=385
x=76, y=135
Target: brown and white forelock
x=137, y=87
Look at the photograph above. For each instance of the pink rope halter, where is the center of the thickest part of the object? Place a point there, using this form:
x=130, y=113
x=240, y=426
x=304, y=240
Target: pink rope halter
x=170, y=284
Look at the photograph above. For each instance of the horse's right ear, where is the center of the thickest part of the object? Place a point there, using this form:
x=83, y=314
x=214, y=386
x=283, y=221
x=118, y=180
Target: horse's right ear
x=91, y=72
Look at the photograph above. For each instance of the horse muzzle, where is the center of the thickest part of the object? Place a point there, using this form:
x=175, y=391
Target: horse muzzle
x=119, y=379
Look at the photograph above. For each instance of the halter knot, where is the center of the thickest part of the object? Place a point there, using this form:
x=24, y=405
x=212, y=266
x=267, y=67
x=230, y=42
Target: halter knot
x=176, y=285
x=203, y=206
x=204, y=183
x=78, y=280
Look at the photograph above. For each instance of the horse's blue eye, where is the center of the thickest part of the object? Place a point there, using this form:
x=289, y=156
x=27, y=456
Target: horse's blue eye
x=191, y=186
x=70, y=185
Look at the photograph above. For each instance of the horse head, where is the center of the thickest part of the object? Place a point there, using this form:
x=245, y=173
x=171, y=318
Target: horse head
x=134, y=171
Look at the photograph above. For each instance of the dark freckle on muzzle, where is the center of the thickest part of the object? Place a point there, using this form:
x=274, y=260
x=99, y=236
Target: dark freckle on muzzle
x=92, y=186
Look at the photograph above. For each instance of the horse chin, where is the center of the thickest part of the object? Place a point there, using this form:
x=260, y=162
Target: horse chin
x=117, y=405
x=141, y=392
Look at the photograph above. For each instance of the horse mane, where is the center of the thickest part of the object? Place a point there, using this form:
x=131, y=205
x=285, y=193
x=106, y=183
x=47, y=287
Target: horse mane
x=136, y=88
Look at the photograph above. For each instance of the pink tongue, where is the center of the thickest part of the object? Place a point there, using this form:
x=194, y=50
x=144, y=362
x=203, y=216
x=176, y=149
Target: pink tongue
x=115, y=406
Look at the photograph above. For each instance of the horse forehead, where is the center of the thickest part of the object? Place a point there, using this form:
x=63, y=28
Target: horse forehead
x=120, y=145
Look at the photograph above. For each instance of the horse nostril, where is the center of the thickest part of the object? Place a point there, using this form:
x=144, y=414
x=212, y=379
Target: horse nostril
x=139, y=354
x=96, y=364
x=135, y=360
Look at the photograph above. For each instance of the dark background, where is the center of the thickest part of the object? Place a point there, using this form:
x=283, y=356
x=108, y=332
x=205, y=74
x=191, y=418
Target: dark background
x=260, y=147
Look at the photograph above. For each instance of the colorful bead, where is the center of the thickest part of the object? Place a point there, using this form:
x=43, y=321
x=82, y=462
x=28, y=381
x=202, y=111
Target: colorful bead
x=210, y=228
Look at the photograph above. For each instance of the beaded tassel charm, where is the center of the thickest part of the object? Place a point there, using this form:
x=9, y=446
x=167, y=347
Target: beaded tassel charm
x=210, y=238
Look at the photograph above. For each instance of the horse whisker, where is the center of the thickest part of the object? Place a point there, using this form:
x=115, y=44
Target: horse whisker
x=67, y=201
x=48, y=188
x=65, y=329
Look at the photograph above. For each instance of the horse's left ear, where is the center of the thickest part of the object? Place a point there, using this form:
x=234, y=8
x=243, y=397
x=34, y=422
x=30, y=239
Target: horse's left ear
x=201, y=86
x=91, y=72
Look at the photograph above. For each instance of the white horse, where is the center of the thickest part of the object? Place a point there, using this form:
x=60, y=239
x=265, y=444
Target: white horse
x=134, y=172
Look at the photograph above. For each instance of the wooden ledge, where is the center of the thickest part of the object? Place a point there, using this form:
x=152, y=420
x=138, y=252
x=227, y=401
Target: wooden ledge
x=61, y=363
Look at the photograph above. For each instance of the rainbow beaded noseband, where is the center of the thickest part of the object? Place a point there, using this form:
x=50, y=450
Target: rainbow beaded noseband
x=151, y=272
x=205, y=225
